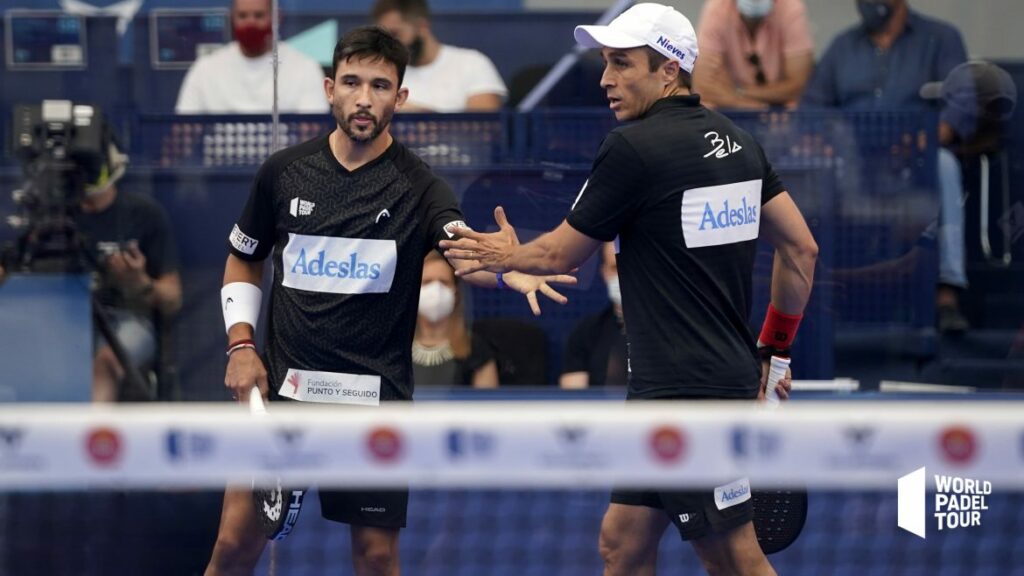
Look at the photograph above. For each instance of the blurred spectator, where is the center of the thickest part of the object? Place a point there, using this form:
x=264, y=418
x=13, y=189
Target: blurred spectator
x=882, y=63
x=444, y=353
x=129, y=238
x=595, y=354
x=238, y=78
x=753, y=53
x=440, y=78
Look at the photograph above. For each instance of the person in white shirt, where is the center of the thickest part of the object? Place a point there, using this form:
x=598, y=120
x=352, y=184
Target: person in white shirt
x=238, y=78
x=440, y=78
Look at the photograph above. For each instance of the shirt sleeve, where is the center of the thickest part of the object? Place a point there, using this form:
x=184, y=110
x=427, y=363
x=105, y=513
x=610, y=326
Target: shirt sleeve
x=821, y=90
x=952, y=52
x=189, y=96
x=483, y=76
x=771, y=184
x=711, y=33
x=796, y=32
x=610, y=197
x=253, y=236
x=161, y=253
x=441, y=212
x=312, y=100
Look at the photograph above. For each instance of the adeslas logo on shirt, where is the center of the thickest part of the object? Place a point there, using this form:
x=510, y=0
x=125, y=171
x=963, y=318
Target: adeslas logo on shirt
x=725, y=214
x=338, y=265
x=320, y=266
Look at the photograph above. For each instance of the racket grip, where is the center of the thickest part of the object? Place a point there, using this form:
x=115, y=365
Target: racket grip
x=256, y=406
x=776, y=371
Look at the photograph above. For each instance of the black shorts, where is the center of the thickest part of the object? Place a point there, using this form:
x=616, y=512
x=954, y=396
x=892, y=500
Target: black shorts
x=696, y=513
x=374, y=508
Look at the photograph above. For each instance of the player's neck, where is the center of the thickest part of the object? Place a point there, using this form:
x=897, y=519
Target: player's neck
x=893, y=29
x=353, y=155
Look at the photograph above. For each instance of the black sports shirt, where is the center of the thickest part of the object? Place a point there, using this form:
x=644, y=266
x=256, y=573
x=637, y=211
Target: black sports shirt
x=682, y=188
x=348, y=250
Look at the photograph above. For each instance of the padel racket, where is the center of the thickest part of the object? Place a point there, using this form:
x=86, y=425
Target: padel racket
x=779, y=515
x=277, y=508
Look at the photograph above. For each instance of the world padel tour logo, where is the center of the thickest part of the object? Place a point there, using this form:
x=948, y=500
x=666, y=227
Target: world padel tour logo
x=103, y=446
x=385, y=444
x=958, y=503
x=667, y=444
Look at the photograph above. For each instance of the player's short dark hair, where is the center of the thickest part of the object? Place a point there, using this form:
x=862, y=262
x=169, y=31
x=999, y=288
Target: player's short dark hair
x=409, y=9
x=371, y=42
x=654, y=61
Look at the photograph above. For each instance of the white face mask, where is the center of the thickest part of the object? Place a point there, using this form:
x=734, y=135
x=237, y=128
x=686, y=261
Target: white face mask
x=755, y=8
x=436, y=301
x=614, y=294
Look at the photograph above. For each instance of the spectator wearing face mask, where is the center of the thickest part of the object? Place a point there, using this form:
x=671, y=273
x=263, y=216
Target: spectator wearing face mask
x=753, y=53
x=444, y=353
x=440, y=77
x=238, y=78
x=881, y=64
x=595, y=354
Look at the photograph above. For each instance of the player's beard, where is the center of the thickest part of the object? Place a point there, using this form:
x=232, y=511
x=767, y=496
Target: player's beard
x=379, y=125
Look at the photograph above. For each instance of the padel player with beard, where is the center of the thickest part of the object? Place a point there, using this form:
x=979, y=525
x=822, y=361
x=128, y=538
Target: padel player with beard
x=348, y=219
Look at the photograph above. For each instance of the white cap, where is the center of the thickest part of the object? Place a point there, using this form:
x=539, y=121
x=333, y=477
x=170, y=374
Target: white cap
x=661, y=27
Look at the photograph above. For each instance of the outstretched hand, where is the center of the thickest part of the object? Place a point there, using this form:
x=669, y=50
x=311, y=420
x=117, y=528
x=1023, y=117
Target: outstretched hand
x=487, y=252
x=530, y=285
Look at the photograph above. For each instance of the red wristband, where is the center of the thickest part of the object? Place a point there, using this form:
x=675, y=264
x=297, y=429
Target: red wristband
x=779, y=329
x=238, y=345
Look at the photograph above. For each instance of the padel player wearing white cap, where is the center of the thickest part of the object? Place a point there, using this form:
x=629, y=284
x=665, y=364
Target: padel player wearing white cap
x=688, y=194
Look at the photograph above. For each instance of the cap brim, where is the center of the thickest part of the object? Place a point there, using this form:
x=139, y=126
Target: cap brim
x=605, y=37
x=931, y=91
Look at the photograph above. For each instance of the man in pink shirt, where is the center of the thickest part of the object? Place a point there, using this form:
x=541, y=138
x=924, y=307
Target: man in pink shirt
x=753, y=53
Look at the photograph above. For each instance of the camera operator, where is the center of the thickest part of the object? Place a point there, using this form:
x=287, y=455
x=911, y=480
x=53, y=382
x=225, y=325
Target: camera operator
x=125, y=239
x=129, y=238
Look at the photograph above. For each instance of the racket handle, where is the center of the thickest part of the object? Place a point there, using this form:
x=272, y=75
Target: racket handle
x=776, y=371
x=256, y=407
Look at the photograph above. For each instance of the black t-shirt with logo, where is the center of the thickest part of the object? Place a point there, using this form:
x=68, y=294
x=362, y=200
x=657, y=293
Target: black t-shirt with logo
x=682, y=188
x=131, y=220
x=348, y=250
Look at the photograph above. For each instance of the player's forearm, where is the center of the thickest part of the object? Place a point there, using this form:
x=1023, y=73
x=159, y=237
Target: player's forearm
x=543, y=256
x=792, y=277
x=238, y=270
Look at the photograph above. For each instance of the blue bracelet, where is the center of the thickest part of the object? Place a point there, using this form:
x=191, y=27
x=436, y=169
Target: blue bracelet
x=501, y=281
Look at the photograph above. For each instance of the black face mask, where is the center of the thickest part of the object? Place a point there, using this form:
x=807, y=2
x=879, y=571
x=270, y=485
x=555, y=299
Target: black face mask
x=874, y=15
x=416, y=51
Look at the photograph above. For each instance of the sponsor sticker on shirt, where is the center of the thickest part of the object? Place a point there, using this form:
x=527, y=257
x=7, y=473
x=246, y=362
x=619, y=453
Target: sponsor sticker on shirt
x=241, y=242
x=331, y=387
x=725, y=214
x=339, y=265
x=732, y=493
x=450, y=227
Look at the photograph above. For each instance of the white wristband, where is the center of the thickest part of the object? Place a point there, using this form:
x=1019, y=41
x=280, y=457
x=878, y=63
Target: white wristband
x=240, y=302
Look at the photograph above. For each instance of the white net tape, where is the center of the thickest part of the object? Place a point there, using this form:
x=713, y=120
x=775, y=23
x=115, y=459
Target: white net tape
x=842, y=445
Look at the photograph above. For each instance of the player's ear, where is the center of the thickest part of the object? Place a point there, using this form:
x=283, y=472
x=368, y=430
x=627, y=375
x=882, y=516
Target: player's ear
x=329, y=89
x=403, y=95
x=670, y=73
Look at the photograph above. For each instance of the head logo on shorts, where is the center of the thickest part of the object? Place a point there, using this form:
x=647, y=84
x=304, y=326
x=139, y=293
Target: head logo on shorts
x=958, y=445
x=339, y=265
x=103, y=445
x=724, y=214
x=668, y=444
x=385, y=444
